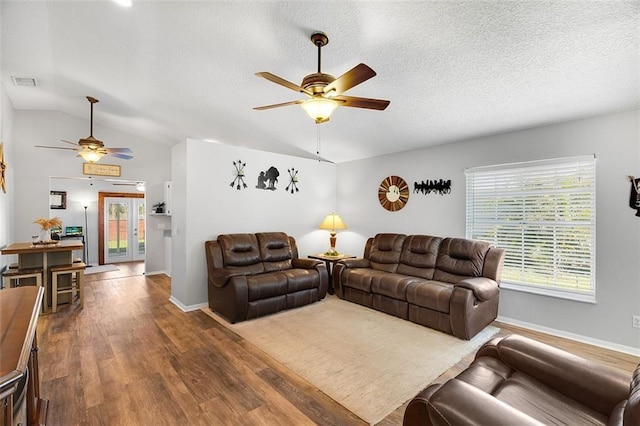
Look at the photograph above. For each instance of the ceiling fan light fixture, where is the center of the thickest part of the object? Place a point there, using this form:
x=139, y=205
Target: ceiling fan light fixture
x=319, y=108
x=90, y=156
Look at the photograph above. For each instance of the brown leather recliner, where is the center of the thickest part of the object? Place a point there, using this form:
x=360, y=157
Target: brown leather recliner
x=251, y=275
x=519, y=381
x=448, y=284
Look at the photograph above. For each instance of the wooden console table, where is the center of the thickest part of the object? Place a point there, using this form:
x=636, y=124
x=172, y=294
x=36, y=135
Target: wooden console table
x=19, y=377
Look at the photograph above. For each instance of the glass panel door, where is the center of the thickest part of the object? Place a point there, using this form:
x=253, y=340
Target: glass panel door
x=124, y=229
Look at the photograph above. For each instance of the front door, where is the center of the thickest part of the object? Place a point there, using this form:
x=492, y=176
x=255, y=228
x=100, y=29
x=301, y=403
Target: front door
x=124, y=238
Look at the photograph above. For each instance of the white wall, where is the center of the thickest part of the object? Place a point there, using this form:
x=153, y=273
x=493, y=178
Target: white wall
x=615, y=140
x=205, y=205
x=33, y=167
x=6, y=199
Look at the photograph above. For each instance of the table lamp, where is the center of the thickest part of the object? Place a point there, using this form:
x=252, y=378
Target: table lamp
x=331, y=223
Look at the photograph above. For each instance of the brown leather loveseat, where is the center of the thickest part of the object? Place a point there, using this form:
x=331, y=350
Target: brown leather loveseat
x=518, y=381
x=449, y=284
x=252, y=275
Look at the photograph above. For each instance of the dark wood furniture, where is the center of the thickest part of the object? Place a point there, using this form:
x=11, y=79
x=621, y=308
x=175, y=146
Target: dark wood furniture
x=19, y=378
x=44, y=256
x=330, y=261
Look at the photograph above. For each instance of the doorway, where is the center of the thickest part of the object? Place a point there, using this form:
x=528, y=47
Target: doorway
x=121, y=227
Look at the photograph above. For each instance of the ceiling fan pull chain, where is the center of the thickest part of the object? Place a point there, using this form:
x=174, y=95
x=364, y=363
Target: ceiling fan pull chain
x=318, y=142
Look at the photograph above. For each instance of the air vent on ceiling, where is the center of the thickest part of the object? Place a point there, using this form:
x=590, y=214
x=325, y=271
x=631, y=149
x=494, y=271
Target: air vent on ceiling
x=24, y=81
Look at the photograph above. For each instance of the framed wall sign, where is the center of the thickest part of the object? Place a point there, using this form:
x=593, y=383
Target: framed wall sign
x=57, y=200
x=101, y=169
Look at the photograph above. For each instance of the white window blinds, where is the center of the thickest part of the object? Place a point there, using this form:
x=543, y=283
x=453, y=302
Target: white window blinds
x=543, y=214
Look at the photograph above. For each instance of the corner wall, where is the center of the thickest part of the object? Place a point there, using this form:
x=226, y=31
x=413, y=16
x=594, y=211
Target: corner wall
x=205, y=205
x=614, y=139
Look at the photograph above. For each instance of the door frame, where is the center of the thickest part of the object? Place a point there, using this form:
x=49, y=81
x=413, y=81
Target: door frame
x=101, y=197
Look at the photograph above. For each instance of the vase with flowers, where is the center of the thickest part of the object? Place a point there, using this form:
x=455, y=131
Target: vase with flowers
x=46, y=225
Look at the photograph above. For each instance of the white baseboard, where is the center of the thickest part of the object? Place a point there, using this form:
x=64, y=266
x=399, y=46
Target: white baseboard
x=148, y=273
x=187, y=308
x=571, y=336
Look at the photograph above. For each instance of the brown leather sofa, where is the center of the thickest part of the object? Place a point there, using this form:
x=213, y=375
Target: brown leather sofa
x=518, y=381
x=449, y=284
x=252, y=275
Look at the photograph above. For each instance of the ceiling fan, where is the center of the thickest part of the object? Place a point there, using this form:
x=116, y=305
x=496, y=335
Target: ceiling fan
x=325, y=92
x=92, y=149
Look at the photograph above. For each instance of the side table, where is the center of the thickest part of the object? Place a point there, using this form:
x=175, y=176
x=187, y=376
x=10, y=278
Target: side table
x=330, y=261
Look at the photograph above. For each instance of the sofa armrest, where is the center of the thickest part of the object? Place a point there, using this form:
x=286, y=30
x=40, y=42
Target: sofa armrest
x=221, y=277
x=588, y=382
x=355, y=263
x=306, y=263
x=459, y=403
x=482, y=288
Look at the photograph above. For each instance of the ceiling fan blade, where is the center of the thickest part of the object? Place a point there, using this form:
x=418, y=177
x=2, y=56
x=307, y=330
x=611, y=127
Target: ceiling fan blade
x=283, y=82
x=352, y=101
x=278, y=105
x=123, y=156
x=71, y=143
x=112, y=150
x=349, y=79
x=55, y=147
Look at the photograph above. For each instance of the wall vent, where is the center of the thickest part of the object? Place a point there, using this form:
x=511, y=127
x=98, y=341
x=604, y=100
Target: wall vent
x=24, y=81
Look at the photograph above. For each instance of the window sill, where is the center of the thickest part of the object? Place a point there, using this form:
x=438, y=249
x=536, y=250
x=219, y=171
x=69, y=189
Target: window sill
x=574, y=297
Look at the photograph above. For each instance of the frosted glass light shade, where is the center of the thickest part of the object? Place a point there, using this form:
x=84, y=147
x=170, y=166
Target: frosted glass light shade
x=319, y=108
x=90, y=155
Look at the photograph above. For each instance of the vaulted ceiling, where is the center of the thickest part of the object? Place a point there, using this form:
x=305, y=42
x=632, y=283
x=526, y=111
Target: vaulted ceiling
x=453, y=70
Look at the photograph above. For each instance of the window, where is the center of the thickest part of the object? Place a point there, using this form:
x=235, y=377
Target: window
x=543, y=214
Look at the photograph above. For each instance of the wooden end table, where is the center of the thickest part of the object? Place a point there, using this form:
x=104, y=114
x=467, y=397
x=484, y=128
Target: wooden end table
x=330, y=261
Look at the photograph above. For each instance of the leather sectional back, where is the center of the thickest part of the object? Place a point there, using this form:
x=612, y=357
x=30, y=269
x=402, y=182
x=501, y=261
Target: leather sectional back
x=419, y=254
x=274, y=250
x=460, y=258
x=241, y=252
x=385, y=251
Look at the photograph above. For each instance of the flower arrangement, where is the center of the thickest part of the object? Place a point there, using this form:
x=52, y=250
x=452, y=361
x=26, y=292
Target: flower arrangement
x=47, y=224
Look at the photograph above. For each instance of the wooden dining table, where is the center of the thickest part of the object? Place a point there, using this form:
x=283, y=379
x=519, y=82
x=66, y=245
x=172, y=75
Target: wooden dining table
x=43, y=256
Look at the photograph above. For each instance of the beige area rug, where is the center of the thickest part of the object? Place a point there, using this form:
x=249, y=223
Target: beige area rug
x=369, y=362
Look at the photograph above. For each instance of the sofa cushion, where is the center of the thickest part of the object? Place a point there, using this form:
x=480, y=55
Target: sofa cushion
x=418, y=257
x=241, y=252
x=392, y=285
x=434, y=295
x=361, y=278
x=459, y=258
x=301, y=279
x=274, y=250
x=266, y=285
x=385, y=251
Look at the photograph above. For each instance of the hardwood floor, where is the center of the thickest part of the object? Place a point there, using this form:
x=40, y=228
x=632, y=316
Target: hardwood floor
x=132, y=357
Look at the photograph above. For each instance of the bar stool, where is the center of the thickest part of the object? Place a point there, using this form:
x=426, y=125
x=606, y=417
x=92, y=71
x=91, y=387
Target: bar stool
x=77, y=284
x=16, y=274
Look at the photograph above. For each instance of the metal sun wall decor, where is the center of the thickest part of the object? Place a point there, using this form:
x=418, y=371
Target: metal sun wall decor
x=293, y=180
x=634, y=197
x=268, y=179
x=393, y=193
x=238, y=181
x=441, y=186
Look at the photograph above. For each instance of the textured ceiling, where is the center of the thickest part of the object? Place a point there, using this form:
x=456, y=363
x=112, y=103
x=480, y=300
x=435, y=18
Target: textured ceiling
x=453, y=70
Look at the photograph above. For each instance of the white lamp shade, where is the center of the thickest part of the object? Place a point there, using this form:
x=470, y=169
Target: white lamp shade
x=332, y=222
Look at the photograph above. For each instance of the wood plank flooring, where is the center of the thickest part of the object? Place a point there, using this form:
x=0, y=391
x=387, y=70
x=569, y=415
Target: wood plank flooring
x=131, y=357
